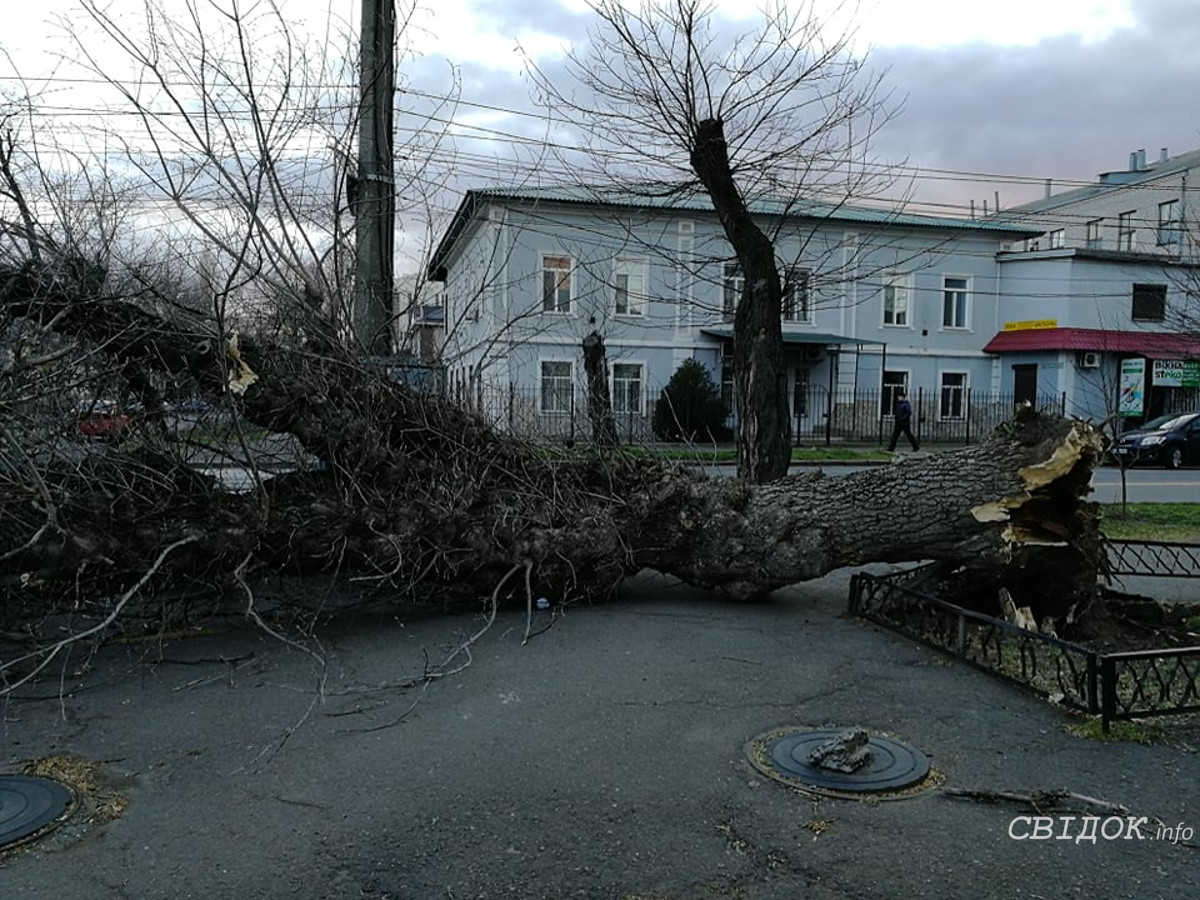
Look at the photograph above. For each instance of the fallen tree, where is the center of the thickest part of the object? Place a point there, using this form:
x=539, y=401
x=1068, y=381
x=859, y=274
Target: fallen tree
x=431, y=503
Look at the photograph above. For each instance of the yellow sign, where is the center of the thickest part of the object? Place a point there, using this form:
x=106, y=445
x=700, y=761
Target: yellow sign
x=1031, y=324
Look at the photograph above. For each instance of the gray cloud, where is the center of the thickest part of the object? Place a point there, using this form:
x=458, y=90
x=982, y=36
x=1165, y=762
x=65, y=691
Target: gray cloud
x=1059, y=109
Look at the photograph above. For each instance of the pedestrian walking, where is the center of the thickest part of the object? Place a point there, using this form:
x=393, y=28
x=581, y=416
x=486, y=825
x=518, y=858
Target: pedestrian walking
x=903, y=424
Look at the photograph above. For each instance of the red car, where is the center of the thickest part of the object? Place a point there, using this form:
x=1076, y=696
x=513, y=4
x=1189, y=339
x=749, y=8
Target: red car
x=102, y=419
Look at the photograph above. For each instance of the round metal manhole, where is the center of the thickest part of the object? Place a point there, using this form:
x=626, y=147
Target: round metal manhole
x=893, y=769
x=29, y=804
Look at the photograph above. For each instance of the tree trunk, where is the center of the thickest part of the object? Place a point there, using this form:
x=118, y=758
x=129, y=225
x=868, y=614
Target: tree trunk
x=429, y=502
x=599, y=404
x=759, y=372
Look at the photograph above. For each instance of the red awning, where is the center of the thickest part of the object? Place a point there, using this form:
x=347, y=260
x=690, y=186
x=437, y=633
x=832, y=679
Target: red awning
x=1152, y=344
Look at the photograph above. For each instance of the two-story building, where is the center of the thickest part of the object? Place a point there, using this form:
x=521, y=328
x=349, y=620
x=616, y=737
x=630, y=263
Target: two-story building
x=1106, y=295
x=876, y=301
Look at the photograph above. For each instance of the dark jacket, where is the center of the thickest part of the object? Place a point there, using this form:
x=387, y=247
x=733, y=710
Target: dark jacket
x=903, y=412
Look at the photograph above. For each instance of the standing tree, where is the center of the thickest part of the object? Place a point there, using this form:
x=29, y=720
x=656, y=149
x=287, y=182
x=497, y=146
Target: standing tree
x=783, y=112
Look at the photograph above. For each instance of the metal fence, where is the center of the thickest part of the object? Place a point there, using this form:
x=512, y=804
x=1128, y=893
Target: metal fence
x=1156, y=559
x=1117, y=686
x=819, y=415
x=1039, y=661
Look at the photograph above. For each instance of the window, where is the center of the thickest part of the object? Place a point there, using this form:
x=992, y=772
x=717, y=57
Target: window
x=895, y=300
x=556, y=284
x=797, y=305
x=893, y=383
x=954, y=395
x=1168, y=223
x=629, y=282
x=556, y=387
x=1094, y=241
x=732, y=286
x=1149, y=302
x=727, y=386
x=1125, y=231
x=954, y=302
x=627, y=388
x=1057, y=239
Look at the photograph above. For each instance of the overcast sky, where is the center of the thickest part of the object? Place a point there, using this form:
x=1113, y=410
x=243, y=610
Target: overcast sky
x=1015, y=92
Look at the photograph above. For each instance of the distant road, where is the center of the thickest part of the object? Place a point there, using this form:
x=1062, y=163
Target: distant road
x=1144, y=485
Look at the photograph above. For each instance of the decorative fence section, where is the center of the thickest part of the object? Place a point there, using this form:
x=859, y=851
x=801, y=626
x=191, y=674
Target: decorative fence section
x=558, y=413
x=1116, y=686
x=1150, y=682
x=1044, y=663
x=1161, y=559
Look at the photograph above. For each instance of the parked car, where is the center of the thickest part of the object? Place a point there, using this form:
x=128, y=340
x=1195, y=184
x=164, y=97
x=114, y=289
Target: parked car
x=102, y=420
x=1171, y=441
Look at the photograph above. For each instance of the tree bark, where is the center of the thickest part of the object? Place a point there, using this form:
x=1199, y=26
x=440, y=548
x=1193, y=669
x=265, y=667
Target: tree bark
x=759, y=372
x=599, y=404
x=429, y=502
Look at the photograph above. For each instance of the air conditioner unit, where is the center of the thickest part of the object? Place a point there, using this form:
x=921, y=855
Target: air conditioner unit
x=1089, y=359
x=812, y=353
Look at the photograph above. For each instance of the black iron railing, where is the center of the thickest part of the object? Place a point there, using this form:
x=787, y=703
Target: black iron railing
x=1149, y=683
x=1042, y=662
x=1162, y=559
x=1116, y=686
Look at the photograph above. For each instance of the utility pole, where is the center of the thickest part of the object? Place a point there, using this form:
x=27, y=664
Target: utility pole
x=375, y=204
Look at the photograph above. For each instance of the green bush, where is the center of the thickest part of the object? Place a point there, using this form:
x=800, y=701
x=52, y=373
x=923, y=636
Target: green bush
x=689, y=408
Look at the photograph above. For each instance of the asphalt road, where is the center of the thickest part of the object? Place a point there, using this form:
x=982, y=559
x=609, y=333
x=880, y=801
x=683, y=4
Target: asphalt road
x=605, y=759
x=1145, y=485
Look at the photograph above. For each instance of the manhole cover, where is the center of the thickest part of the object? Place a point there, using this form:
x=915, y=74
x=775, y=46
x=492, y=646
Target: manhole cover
x=29, y=804
x=892, y=768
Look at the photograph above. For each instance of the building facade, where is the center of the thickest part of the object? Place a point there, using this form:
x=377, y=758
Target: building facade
x=1107, y=291
x=876, y=301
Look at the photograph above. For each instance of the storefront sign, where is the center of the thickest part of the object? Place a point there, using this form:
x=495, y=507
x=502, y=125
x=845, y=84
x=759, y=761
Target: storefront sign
x=1031, y=324
x=1175, y=373
x=1133, y=387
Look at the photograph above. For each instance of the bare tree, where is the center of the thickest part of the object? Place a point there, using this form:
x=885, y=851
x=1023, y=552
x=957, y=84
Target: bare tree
x=671, y=104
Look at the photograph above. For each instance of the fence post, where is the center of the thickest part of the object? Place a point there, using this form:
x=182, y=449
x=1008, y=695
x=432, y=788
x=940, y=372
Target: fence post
x=920, y=406
x=828, y=418
x=1108, y=691
x=968, y=416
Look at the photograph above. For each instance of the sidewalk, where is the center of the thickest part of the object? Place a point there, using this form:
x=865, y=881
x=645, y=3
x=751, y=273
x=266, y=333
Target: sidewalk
x=604, y=759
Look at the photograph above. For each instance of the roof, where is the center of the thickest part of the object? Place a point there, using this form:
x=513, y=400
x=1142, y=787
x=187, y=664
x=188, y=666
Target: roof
x=664, y=199
x=794, y=337
x=1111, y=181
x=1153, y=344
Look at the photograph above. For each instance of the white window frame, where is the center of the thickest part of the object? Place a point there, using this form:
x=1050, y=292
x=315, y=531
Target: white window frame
x=733, y=285
x=1057, y=239
x=963, y=293
x=797, y=278
x=1095, y=236
x=897, y=292
x=888, y=390
x=567, y=390
x=619, y=397
x=1126, y=231
x=630, y=269
x=1168, y=223
x=961, y=390
x=553, y=305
